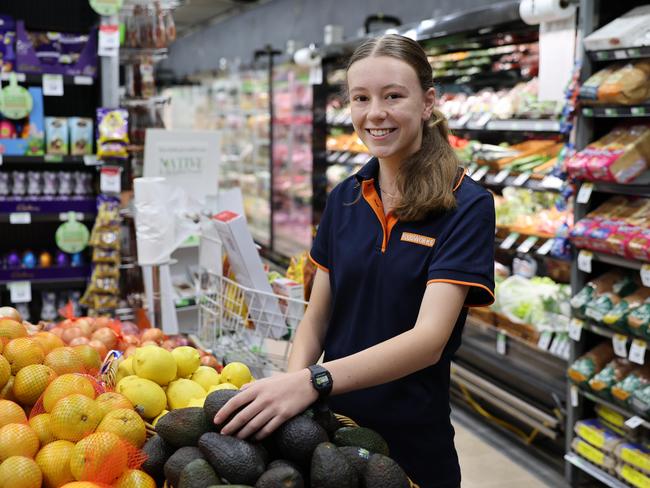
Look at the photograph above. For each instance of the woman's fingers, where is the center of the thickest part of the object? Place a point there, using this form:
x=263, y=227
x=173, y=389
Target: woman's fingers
x=258, y=422
x=243, y=417
x=232, y=406
x=270, y=427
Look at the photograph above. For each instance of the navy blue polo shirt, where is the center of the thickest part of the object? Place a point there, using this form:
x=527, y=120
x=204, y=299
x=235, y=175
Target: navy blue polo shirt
x=379, y=268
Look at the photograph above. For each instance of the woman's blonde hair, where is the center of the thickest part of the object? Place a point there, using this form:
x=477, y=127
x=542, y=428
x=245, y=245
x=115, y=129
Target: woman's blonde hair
x=427, y=177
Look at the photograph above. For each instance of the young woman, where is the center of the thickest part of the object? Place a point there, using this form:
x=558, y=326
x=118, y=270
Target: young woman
x=403, y=248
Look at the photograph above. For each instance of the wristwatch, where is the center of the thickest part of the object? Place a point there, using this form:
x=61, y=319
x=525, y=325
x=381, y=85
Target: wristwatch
x=321, y=380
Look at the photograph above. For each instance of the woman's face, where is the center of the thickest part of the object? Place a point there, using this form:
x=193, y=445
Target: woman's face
x=388, y=107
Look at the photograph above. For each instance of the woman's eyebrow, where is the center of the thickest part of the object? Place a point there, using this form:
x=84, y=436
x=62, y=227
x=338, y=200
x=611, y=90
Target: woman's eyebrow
x=385, y=87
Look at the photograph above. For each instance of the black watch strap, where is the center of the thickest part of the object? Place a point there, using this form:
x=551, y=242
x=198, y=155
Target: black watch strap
x=321, y=380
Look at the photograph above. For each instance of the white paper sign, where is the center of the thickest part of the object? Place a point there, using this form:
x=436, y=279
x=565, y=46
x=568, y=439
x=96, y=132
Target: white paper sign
x=584, y=260
x=545, y=248
x=188, y=159
x=480, y=173
x=110, y=180
x=584, y=194
x=634, y=422
x=108, y=40
x=637, y=351
x=619, y=342
x=575, y=329
x=575, y=398
x=545, y=340
x=528, y=244
x=501, y=343
x=53, y=85
x=645, y=275
x=91, y=160
x=20, y=291
x=83, y=80
x=20, y=218
x=521, y=179
x=501, y=176
x=509, y=241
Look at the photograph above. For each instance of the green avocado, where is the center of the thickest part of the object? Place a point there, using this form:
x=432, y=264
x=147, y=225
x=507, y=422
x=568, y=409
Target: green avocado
x=213, y=403
x=357, y=456
x=236, y=460
x=330, y=469
x=282, y=476
x=177, y=462
x=361, y=437
x=383, y=471
x=198, y=474
x=297, y=438
x=157, y=452
x=183, y=427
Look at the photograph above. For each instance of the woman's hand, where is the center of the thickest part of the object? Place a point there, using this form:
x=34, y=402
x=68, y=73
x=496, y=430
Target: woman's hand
x=266, y=404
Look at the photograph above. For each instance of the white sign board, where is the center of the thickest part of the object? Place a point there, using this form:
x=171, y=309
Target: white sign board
x=188, y=159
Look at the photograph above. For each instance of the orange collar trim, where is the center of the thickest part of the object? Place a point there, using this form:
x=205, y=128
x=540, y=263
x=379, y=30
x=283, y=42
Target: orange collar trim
x=460, y=180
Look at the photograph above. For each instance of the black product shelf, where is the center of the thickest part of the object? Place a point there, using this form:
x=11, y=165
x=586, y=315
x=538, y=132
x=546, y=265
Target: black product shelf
x=620, y=54
x=49, y=209
x=37, y=79
x=510, y=125
x=511, y=180
x=617, y=111
x=612, y=406
x=639, y=187
x=614, y=260
x=46, y=275
x=49, y=159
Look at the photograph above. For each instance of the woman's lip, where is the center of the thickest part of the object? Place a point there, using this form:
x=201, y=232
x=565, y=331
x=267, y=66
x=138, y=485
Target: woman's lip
x=375, y=137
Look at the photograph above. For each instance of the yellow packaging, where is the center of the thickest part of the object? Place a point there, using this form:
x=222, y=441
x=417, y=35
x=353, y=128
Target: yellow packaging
x=633, y=477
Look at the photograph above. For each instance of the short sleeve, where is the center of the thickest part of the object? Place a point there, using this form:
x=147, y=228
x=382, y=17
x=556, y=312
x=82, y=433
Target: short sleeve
x=466, y=255
x=319, y=253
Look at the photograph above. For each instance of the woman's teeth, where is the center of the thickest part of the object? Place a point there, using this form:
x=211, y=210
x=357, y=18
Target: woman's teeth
x=380, y=132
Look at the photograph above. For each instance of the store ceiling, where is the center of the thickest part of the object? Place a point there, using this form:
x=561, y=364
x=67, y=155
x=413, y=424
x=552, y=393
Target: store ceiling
x=192, y=15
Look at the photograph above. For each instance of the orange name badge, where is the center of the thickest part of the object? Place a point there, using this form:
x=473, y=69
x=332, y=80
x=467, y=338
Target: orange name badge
x=418, y=239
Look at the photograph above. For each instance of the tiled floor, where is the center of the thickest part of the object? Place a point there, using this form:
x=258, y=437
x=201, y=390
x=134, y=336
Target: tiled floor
x=490, y=460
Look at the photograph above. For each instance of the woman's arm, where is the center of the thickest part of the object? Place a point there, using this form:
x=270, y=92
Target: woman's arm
x=310, y=335
x=269, y=402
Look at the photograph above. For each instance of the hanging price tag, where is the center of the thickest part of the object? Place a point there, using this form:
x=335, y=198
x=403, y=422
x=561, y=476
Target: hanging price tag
x=109, y=40
x=471, y=168
x=480, y=173
x=552, y=182
x=501, y=343
x=556, y=344
x=634, y=422
x=566, y=350
x=584, y=260
x=528, y=244
x=575, y=329
x=521, y=179
x=645, y=275
x=20, y=218
x=510, y=240
x=575, y=397
x=619, y=341
x=584, y=194
x=83, y=80
x=53, y=85
x=110, y=180
x=637, y=351
x=501, y=176
x=545, y=340
x=20, y=291
x=91, y=160
x=545, y=248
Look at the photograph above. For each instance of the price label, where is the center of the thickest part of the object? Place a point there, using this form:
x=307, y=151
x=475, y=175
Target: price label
x=0, y=159
x=556, y=344
x=480, y=173
x=471, y=168
x=611, y=112
x=20, y=291
x=20, y=218
x=521, y=179
x=638, y=110
x=501, y=343
x=501, y=176
x=91, y=160
x=510, y=240
x=110, y=180
x=566, y=350
x=634, y=422
x=584, y=194
x=619, y=341
x=83, y=80
x=575, y=397
x=545, y=340
x=53, y=85
x=482, y=120
x=584, y=260
x=637, y=351
x=620, y=54
x=463, y=120
x=109, y=40
x=545, y=248
x=552, y=182
x=528, y=244
x=575, y=329
x=645, y=275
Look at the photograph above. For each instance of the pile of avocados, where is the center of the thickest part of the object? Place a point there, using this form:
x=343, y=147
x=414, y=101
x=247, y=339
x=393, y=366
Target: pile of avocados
x=310, y=450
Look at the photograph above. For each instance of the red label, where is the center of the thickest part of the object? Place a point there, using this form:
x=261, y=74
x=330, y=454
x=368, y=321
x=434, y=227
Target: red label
x=226, y=216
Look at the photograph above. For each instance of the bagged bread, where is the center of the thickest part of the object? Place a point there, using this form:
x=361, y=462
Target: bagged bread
x=592, y=431
x=628, y=85
x=638, y=320
x=589, y=89
x=612, y=373
x=635, y=379
x=617, y=315
x=586, y=366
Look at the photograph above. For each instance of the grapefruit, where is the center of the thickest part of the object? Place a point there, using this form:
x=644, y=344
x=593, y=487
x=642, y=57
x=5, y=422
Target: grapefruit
x=74, y=417
x=54, y=461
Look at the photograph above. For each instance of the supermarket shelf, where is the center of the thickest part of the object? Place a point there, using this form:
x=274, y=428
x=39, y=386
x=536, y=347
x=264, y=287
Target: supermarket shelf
x=639, y=187
x=43, y=210
x=89, y=160
x=616, y=260
x=616, y=111
x=37, y=79
x=345, y=157
x=612, y=406
x=594, y=471
x=600, y=330
x=512, y=125
x=532, y=183
x=46, y=275
x=135, y=55
x=620, y=53
x=144, y=102
x=341, y=125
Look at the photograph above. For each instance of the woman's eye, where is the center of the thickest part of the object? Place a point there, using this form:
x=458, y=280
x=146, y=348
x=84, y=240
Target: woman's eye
x=360, y=98
x=393, y=96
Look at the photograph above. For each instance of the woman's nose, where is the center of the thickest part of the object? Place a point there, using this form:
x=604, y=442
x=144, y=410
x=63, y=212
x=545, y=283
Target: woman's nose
x=377, y=111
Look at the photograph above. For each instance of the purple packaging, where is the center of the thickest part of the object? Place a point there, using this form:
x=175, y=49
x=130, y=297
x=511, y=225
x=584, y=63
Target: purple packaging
x=7, y=43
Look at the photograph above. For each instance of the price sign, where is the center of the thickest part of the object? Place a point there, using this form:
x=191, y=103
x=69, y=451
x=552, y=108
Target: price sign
x=521, y=179
x=91, y=160
x=545, y=340
x=501, y=343
x=482, y=120
x=471, y=168
x=110, y=180
x=480, y=173
x=20, y=218
x=619, y=341
x=575, y=329
x=545, y=248
x=634, y=422
x=575, y=397
x=53, y=85
x=552, y=182
x=584, y=260
x=645, y=275
x=528, y=244
x=637, y=351
x=620, y=54
x=20, y=291
x=109, y=40
x=584, y=194
x=83, y=80
x=557, y=344
x=510, y=240
x=611, y=112
x=501, y=176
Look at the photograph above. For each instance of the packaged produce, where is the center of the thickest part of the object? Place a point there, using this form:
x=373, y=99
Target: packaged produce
x=617, y=315
x=609, y=282
x=592, y=431
x=593, y=455
x=635, y=379
x=602, y=304
x=640, y=401
x=632, y=476
x=635, y=455
x=638, y=320
x=586, y=366
x=612, y=373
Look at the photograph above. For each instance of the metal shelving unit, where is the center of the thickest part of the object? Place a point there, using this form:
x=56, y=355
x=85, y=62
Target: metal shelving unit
x=594, y=471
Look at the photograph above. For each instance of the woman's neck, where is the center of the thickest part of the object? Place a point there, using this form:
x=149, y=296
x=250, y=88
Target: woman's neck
x=388, y=171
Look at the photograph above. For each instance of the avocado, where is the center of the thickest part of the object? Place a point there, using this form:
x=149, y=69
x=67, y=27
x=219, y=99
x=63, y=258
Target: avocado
x=230, y=486
x=177, y=462
x=236, y=460
x=331, y=469
x=361, y=437
x=213, y=403
x=198, y=474
x=282, y=462
x=183, y=427
x=383, y=471
x=297, y=438
x=325, y=418
x=357, y=456
x=282, y=476
x=157, y=452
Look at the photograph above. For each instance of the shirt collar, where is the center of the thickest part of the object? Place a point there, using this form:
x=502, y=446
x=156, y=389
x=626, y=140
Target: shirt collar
x=368, y=171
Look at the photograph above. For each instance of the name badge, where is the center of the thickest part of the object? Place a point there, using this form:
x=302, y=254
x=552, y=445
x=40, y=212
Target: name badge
x=418, y=239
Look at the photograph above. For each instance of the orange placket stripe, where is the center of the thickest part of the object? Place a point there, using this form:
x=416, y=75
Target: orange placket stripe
x=370, y=196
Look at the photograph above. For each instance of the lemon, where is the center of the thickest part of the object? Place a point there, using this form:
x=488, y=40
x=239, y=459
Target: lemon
x=187, y=360
x=181, y=391
x=196, y=402
x=206, y=377
x=236, y=373
x=154, y=363
x=162, y=414
x=222, y=386
x=124, y=369
x=147, y=397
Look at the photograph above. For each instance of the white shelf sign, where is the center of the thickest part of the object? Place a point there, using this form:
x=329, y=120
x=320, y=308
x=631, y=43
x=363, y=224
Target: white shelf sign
x=552, y=182
x=501, y=343
x=634, y=422
x=584, y=260
x=528, y=244
x=109, y=40
x=521, y=179
x=637, y=351
x=645, y=275
x=20, y=291
x=575, y=399
x=545, y=248
x=619, y=341
x=501, y=176
x=20, y=218
x=480, y=173
x=110, y=180
x=545, y=340
x=584, y=194
x=53, y=85
x=575, y=329
x=510, y=240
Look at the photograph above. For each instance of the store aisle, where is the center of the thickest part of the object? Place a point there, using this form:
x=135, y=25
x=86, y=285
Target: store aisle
x=489, y=460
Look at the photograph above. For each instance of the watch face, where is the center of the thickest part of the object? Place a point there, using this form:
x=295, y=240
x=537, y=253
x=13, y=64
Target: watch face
x=321, y=380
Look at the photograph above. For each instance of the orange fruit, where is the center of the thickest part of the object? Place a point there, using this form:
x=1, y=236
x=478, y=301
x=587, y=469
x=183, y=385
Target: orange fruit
x=11, y=413
x=82, y=484
x=12, y=329
x=112, y=401
x=65, y=385
x=89, y=357
x=41, y=424
x=65, y=360
x=18, y=440
x=133, y=478
x=54, y=461
x=5, y=371
x=100, y=457
x=7, y=391
x=126, y=423
x=31, y=381
x=48, y=341
x=22, y=352
x=20, y=472
x=74, y=417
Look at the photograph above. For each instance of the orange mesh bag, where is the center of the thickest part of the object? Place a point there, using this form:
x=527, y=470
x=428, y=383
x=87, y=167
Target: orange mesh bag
x=11, y=413
x=64, y=385
x=20, y=472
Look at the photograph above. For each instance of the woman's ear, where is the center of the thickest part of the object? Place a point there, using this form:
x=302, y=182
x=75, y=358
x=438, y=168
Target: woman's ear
x=429, y=103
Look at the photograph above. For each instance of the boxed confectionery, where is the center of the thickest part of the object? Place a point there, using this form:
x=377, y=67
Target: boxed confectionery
x=56, y=135
x=24, y=136
x=629, y=30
